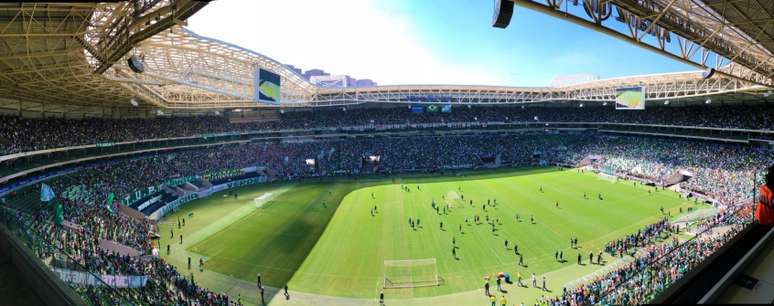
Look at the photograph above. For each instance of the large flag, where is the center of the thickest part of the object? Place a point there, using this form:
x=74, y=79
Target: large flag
x=46, y=193
x=110, y=199
x=59, y=214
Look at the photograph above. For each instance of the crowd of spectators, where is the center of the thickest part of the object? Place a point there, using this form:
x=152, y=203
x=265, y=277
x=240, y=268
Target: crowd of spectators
x=725, y=172
x=25, y=134
x=89, y=220
x=656, y=267
x=641, y=238
x=75, y=246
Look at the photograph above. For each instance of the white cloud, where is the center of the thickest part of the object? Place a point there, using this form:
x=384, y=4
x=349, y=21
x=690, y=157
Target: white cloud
x=340, y=36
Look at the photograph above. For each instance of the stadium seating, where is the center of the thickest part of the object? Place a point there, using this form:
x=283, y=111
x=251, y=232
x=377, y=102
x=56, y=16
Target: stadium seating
x=25, y=135
x=722, y=171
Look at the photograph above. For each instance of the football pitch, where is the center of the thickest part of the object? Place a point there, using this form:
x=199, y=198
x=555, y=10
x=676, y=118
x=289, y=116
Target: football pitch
x=322, y=237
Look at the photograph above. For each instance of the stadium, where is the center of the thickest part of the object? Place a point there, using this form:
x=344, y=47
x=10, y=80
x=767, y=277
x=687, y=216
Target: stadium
x=142, y=163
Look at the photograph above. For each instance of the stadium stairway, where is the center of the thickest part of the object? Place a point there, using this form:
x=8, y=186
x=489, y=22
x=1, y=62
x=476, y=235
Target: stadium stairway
x=203, y=184
x=675, y=178
x=155, y=206
x=176, y=191
x=137, y=203
x=189, y=187
x=588, y=160
x=168, y=195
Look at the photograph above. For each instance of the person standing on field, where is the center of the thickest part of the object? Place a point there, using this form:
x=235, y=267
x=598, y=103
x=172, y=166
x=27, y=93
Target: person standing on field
x=287, y=295
x=486, y=288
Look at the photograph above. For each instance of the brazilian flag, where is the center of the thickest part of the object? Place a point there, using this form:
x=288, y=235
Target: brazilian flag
x=432, y=108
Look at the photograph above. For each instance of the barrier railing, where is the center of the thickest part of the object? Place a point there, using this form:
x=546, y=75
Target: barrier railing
x=657, y=267
x=55, y=256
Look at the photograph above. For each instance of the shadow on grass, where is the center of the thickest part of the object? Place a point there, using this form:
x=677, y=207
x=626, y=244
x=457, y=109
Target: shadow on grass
x=277, y=239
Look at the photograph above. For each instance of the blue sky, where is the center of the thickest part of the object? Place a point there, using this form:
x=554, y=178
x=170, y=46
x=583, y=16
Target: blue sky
x=424, y=41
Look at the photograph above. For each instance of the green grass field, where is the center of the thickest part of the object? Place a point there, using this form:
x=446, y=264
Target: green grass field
x=320, y=237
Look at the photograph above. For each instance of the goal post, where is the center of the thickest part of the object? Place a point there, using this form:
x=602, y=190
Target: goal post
x=410, y=273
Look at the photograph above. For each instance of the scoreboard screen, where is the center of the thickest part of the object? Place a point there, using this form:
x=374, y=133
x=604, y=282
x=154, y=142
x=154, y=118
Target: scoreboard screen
x=267, y=87
x=630, y=98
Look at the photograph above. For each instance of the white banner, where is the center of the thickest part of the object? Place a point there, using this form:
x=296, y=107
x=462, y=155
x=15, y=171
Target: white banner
x=88, y=279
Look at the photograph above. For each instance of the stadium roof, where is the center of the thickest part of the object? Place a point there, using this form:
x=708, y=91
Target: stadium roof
x=734, y=37
x=52, y=54
x=754, y=18
x=73, y=58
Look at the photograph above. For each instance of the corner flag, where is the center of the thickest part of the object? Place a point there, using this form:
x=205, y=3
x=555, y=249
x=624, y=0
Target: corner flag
x=46, y=193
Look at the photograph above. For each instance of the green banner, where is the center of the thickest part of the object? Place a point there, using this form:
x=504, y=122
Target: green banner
x=59, y=214
x=109, y=203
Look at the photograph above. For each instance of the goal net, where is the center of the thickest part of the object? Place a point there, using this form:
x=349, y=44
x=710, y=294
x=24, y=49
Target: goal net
x=410, y=273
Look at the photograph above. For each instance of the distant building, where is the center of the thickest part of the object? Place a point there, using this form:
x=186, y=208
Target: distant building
x=297, y=70
x=323, y=79
x=365, y=83
x=314, y=72
x=331, y=81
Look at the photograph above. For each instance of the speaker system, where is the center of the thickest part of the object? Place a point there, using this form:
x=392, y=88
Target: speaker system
x=503, y=11
x=708, y=74
x=136, y=64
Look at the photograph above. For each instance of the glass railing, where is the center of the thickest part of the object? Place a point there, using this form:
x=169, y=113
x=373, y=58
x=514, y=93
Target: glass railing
x=45, y=240
x=658, y=266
